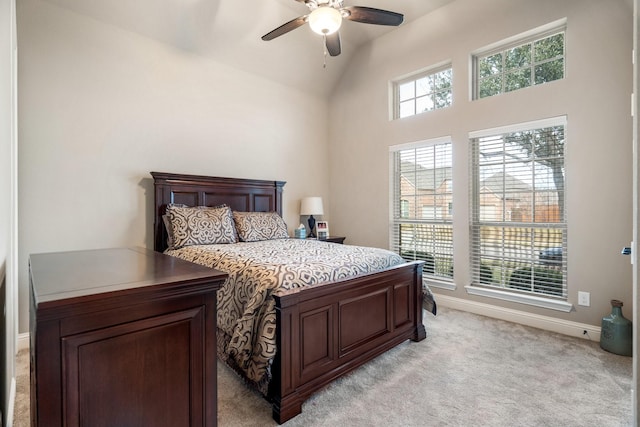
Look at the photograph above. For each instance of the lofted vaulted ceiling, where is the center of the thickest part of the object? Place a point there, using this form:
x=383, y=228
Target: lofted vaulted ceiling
x=230, y=31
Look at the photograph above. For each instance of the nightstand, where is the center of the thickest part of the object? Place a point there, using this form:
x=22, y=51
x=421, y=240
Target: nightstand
x=334, y=239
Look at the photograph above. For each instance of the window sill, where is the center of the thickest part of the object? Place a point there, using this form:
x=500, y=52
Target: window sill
x=440, y=284
x=550, y=303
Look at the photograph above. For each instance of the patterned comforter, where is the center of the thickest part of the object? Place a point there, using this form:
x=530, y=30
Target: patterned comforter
x=259, y=270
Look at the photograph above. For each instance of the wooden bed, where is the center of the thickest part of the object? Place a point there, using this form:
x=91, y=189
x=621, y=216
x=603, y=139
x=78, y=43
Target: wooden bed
x=325, y=331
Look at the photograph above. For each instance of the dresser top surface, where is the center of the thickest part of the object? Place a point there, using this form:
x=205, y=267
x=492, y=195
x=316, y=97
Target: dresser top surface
x=80, y=274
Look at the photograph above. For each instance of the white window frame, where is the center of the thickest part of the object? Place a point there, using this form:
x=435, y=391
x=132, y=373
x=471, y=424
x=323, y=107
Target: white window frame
x=413, y=77
x=539, y=300
x=395, y=209
x=522, y=39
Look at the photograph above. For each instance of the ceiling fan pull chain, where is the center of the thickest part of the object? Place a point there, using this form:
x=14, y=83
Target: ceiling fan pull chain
x=324, y=46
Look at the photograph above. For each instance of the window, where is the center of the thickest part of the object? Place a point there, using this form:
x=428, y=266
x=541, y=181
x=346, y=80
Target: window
x=535, y=60
x=518, y=230
x=421, y=204
x=422, y=92
x=404, y=208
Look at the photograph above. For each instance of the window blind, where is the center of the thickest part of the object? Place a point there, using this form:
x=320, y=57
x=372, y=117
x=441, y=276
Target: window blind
x=422, y=205
x=519, y=230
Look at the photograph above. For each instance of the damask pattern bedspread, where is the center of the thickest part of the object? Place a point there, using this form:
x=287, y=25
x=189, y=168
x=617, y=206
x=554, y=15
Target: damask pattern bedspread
x=259, y=270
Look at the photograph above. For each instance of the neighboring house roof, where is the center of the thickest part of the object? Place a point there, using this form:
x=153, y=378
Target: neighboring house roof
x=500, y=182
x=430, y=179
x=422, y=178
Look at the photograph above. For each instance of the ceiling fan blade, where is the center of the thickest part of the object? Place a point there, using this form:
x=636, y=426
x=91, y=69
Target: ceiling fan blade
x=285, y=28
x=369, y=15
x=333, y=44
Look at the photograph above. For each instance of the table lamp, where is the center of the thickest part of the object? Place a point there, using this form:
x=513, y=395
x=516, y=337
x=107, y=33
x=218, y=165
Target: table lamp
x=311, y=206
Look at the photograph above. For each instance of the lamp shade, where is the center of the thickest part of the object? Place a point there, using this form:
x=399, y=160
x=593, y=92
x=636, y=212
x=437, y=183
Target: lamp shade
x=325, y=20
x=311, y=206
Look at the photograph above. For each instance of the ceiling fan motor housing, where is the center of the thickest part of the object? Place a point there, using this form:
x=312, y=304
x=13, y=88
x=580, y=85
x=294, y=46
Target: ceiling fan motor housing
x=314, y=4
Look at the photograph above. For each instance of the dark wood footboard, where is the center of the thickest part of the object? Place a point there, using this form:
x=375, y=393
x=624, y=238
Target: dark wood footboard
x=324, y=331
x=328, y=330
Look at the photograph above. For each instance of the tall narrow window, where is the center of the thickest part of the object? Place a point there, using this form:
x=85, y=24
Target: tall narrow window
x=518, y=230
x=421, y=203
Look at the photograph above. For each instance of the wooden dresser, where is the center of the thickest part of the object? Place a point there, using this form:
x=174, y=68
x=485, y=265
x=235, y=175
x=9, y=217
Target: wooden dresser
x=122, y=337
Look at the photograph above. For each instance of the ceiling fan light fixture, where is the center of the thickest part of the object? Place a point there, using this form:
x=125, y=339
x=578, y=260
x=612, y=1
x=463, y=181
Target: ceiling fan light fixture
x=325, y=20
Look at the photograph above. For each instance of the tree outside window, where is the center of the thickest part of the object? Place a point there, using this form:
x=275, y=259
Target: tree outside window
x=532, y=63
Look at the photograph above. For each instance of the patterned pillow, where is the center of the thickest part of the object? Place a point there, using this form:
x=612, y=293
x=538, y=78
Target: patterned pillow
x=167, y=226
x=256, y=226
x=201, y=225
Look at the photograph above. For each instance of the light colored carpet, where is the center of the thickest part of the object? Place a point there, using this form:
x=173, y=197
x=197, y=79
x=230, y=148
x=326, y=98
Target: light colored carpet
x=470, y=371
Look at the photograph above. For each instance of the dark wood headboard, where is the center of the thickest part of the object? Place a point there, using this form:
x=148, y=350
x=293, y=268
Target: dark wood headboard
x=245, y=195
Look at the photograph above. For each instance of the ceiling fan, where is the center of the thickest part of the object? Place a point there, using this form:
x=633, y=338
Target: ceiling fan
x=326, y=17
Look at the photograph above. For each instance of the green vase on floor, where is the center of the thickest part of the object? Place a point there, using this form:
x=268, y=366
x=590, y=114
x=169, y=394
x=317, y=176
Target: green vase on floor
x=616, y=333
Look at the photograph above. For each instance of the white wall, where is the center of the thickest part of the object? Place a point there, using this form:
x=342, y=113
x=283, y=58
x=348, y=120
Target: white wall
x=8, y=175
x=101, y=107
x=5, y=129
x=635, y=397
x=595, y=95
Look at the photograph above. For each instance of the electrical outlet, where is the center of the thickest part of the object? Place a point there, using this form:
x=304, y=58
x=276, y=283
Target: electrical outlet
x=584, y=298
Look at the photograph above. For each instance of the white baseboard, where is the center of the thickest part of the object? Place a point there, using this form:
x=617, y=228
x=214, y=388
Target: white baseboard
x=12, y=402
x=23, y=341
x=565, y=327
